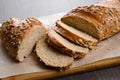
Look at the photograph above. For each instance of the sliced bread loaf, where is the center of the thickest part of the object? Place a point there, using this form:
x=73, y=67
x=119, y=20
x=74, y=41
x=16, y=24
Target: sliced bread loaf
x=19, y=36
x=75, y=35
x=98, y=21
x=65, y=46
x=51, y=57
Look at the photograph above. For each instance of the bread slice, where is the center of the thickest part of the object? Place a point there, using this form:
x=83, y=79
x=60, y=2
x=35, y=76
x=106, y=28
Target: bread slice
x=65, y=46
x=51, y=57
x=98, y=21
x=19, y=36
x=75, y=35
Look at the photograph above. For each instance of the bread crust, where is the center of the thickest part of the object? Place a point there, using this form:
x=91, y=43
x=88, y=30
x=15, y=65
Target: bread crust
x=13, y=31
x=61, y=48
x=109, y=3
x=47, y=64
x=74, y=38
x=107, y=20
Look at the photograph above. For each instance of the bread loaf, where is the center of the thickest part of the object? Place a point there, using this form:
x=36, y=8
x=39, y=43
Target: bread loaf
x=98, y=21
x=64, y=46
x=75, y=35
x=19, y=36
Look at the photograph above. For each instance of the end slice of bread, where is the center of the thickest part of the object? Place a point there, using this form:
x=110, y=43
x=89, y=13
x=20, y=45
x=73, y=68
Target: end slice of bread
x=75, y=35
x=51, y=57
x=19, y=36
x=65, y=46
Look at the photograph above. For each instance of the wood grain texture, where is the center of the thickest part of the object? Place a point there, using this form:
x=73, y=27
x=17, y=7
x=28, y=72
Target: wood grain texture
x=104, y=74
x=52, y=74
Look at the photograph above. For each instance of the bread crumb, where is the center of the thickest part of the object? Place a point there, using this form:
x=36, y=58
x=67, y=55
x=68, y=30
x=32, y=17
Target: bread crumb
x=109, y=49
x=94, y=48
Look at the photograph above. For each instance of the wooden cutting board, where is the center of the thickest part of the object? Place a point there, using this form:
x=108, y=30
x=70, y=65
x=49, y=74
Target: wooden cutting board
x=106, y=54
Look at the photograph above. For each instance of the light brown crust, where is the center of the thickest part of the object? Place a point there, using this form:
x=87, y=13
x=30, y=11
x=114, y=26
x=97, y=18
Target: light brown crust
x=56, y=68
x=109, y=3
x=61, y=48
x=107, y=19
x=74, y=38
x=13, y=32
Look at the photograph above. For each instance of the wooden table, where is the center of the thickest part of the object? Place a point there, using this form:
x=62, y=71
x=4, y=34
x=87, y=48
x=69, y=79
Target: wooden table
x=104, y=74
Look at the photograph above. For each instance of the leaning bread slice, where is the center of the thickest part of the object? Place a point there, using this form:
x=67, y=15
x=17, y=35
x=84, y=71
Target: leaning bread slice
x=51, y=57
x=75, y=35
x=65, y=46
x=19, y=36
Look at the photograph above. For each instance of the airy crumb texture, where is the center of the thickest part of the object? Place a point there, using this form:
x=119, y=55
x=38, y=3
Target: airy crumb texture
x=20, y=35
x=51, y=57
x=75, y=35
x=65, y=46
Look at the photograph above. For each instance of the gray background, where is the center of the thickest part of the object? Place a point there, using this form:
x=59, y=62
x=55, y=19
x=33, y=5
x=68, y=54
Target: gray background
x=37, y=8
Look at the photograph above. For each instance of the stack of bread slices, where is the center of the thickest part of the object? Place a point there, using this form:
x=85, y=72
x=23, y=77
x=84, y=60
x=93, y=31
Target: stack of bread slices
x=77, y=32
x=74, y=35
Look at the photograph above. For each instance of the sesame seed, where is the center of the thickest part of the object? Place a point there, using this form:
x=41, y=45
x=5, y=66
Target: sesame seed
x=77, y=41
x=106, y=11
x=107, y=29
x=100, y=13
x=19, y=42
x=100, y=27
x=114, y=31
x=97, y=9
x=80, y=40
x=111, y=13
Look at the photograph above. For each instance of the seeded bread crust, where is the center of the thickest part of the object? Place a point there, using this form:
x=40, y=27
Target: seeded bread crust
x=109, y=3
x=54, y=67
x=98, y=21
x=73, y=37
x=13, y=32
x=61, y=48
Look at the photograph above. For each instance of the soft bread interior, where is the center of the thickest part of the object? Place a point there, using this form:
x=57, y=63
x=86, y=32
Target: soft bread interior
x=29, y=41
x=76, y=31
x=51, y=57
x=67, y=43
x=84, y=22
